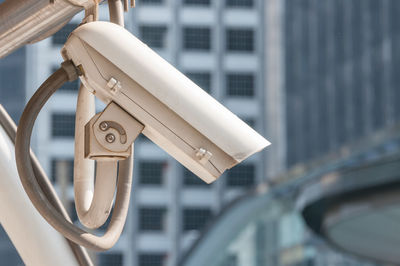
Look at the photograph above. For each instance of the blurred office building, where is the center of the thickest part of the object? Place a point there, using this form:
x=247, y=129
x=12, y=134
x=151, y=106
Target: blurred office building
x=333, y=119
x=217, y=44
x=332, y=66
x=316, y=78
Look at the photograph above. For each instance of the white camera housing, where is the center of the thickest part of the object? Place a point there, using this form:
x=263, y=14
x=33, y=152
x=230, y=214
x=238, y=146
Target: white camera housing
x=177, y=115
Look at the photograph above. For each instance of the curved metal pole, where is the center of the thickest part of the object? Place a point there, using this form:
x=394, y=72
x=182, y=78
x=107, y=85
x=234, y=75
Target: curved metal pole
x=93, y=204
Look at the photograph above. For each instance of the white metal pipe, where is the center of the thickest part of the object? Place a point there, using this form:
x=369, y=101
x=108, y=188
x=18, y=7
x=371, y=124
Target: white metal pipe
x=93, y=204
x=35, y=240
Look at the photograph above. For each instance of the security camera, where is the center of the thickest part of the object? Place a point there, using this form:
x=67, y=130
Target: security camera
x=176, y=114
x=144, y=94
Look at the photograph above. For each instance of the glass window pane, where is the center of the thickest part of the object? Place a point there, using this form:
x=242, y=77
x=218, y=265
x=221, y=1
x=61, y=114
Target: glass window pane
x=114, y=259
x=151, y=259
x=202, y=79
x=242, y=175
x=151, y=173
x=150, y=2
x=240, y=40
x=152, y=219
x=63, y=167
x=190, y=179
x=239, y=3
x=63, y=125
x=197, y=2
x=154, y=36
x=240, y=84
x=196, y=218
x=197, y=38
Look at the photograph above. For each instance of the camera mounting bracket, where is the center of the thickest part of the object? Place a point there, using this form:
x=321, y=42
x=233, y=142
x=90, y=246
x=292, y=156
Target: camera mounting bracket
x=109, y=135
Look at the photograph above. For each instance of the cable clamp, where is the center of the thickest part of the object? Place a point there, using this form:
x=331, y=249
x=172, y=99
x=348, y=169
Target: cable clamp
x=69, y=68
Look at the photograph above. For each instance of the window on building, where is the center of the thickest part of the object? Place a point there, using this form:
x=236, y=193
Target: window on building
x=151, y=172
x=151, y=2
x=68, y=86
x=240, y=84
x=152, y=218
x=202, y=79
x=154, y=36
x=152, y=259
x=190, y=179
x=62, y=125
x=62, y=168
x=242, y=175
x=197, y=2
x=61, y=36
x=196, y=218
x=240, y=40
x=107, y=259
x=197, y=38
x=239, y=3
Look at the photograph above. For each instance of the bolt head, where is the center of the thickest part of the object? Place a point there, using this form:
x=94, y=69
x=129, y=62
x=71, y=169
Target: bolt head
x=103, y=126
x=110, y=138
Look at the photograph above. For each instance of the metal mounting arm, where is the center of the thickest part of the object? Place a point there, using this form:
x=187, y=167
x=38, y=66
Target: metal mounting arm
x=108, y=138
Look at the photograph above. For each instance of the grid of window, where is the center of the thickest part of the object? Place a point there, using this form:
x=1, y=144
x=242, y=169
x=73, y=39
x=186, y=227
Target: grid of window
x=62, y=125
x=152, y=218
x=197, y=38
x=240, y=84
x=114, y=259
x=154, y=36
x=151, y=2
x=242, y=175
x=197, y=2
x=190, y=179
x=63, y=167
x=202, y=79
x=240, y=40
x=239, y=3
x=152, y=259
x=196, y=218
x=61, y=36
x=151, y=173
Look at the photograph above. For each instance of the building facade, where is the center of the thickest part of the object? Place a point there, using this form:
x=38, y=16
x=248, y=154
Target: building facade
x=311, y=76
x=341, y=82
x=219, y=45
